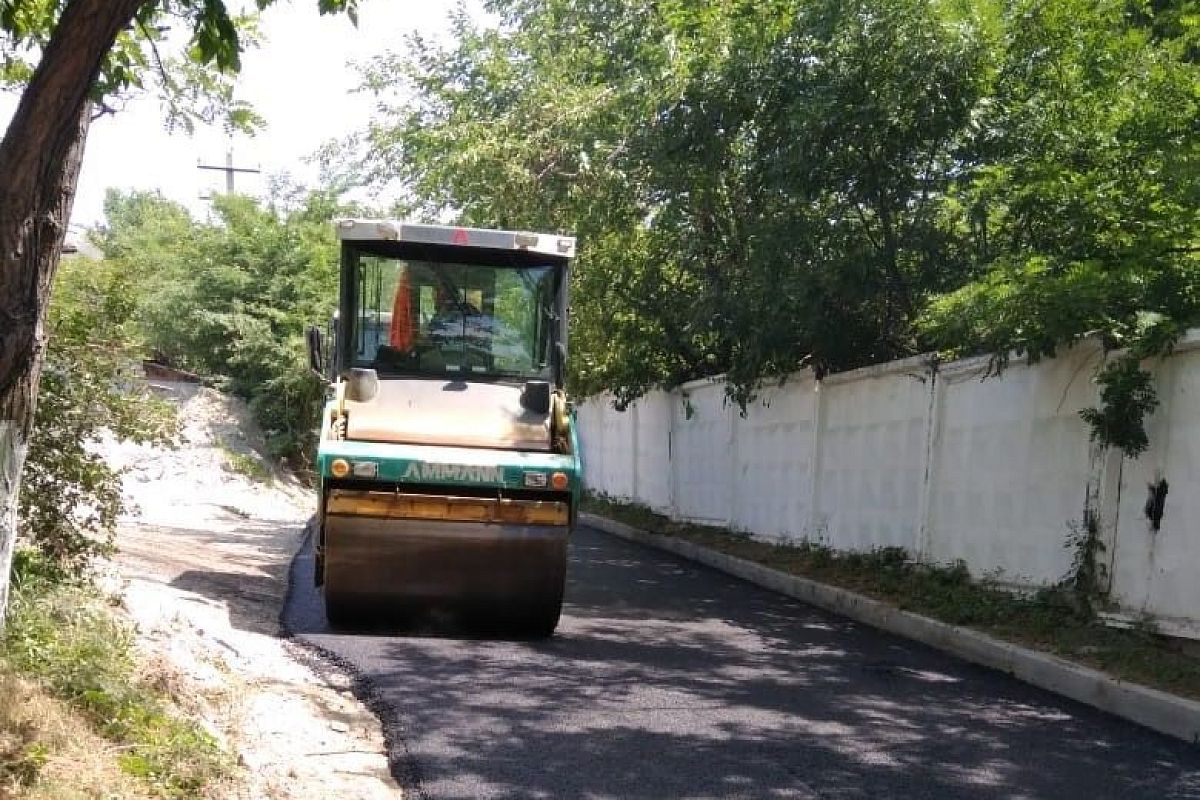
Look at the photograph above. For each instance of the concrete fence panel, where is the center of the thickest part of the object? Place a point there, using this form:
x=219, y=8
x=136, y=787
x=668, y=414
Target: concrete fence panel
x=607, y=440
x=652, y=418
x=772, y=459
x=701, y=454
x=1011, y=467
x=997, y=473
x=872, y=453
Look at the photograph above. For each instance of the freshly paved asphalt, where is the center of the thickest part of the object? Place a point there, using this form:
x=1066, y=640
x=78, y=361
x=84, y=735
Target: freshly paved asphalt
x=669, y=680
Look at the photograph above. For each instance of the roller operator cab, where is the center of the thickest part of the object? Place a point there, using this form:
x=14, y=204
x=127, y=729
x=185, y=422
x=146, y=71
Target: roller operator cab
x=448, y=458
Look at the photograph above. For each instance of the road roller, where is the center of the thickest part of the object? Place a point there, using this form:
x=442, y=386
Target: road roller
x=448, y=459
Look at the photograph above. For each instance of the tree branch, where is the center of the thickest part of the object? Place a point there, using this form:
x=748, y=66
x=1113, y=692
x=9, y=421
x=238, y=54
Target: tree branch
x=858, y=212
x=158, y=62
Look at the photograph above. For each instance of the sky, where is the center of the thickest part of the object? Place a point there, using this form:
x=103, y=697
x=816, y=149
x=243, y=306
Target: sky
x=300, y=80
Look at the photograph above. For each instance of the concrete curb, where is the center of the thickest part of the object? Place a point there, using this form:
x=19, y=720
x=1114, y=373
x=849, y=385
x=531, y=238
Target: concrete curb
x=1160, y=711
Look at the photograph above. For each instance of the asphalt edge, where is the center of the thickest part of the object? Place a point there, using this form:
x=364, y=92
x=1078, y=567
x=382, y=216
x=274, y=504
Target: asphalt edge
x=1160, y=711
x=403, y=768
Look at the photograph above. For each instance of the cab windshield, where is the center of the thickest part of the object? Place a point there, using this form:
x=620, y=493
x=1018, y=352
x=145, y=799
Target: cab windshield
x=445, y=319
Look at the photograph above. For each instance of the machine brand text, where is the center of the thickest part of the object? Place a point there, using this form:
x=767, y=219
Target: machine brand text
x=453, y=472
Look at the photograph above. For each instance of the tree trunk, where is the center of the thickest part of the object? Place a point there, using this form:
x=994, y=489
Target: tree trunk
x=39, y=168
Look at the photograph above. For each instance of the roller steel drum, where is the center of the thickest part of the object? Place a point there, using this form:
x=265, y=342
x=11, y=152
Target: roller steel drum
x=404, y=571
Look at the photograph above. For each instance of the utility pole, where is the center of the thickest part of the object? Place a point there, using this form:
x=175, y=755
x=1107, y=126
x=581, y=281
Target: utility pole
x=229, y=169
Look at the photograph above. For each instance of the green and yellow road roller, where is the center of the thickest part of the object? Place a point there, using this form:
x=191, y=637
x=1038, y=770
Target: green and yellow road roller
x=448, y=460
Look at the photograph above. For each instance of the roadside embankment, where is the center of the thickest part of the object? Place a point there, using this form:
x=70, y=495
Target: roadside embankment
x=202, y=569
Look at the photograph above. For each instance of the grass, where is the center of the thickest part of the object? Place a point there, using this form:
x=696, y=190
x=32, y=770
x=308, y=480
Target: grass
x=67, y=663
x=245, y=464
x=1052, y=619
x=47, y=752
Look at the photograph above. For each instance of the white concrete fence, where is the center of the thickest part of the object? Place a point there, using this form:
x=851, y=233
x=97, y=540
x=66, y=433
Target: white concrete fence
x=941, y=462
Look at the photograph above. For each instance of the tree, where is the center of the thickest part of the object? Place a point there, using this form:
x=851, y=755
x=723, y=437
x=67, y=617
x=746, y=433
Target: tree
x=1078, y=197
x=86, y=50
x=760, y=186
x=757, y=184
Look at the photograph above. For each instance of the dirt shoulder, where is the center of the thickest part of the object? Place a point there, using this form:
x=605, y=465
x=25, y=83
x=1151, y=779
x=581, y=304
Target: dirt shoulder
x=203, y=569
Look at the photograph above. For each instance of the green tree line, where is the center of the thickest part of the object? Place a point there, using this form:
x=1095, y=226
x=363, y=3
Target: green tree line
x=763, y=185
x=230, y=298
x=227, y=298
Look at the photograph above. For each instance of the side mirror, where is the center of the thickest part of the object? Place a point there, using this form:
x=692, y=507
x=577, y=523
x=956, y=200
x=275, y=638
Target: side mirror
x=560, y=365
x=535, y=397
x=316, y=359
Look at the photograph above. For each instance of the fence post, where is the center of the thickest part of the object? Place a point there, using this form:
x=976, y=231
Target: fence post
x=732, y=508
x=1102, y=507
x=634, y=454
x=933, y=429
x=814, y=468
x=672, y=487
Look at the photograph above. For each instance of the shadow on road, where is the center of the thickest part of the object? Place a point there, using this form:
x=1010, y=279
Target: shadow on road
x=669, y=680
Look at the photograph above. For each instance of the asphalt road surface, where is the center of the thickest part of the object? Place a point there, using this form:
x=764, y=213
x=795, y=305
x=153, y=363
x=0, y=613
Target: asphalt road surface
x=670, y=680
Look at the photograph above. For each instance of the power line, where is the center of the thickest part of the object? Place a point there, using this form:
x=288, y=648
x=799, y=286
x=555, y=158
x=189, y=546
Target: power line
x=229, y=169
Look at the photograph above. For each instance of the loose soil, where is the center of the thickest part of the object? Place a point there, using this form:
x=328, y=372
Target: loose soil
x=202, y=569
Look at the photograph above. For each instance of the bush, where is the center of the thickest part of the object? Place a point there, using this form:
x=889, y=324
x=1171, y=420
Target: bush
x=232, y=300
x=71, y=498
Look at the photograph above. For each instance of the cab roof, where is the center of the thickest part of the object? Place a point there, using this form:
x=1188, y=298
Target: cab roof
x=386, y=230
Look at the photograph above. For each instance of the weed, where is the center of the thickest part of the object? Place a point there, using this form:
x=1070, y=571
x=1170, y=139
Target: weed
x=67, y=639
x=1087, y=576
x=246, y=465
x=22, y=756
x=49, y=752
